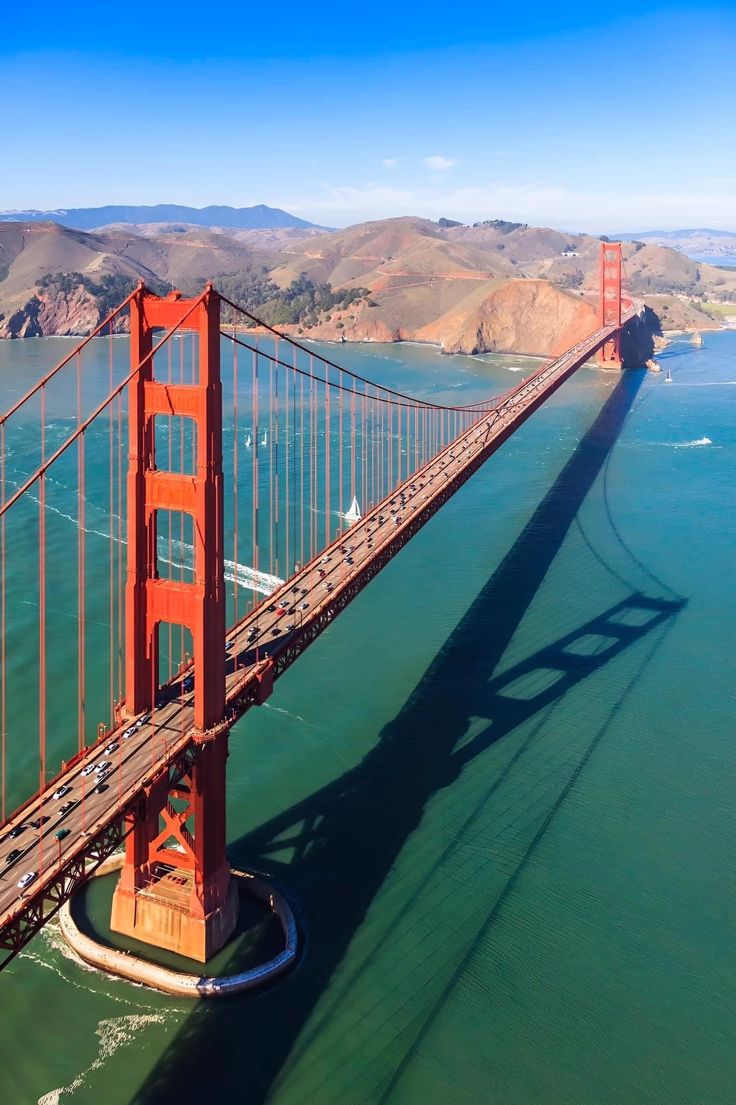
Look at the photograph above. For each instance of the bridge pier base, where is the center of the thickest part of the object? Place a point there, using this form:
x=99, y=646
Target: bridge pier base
x=175, y=890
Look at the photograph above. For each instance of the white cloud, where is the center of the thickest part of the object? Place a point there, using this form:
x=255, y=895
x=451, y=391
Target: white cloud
x=389, y=162
x=537, y=203
x=438, y=163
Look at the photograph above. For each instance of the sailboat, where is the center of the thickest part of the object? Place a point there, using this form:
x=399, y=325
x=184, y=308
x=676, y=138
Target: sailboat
x=353, y=514
x=264, y=440
x=248, y=442
x=668, y=377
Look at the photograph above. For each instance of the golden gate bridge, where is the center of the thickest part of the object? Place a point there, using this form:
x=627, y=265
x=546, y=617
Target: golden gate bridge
x=329, y=475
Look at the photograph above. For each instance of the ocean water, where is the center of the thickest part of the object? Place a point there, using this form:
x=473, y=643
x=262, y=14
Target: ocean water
x=498, y=792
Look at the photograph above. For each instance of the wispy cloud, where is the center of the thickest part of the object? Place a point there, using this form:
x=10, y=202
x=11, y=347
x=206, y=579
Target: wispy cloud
x=538, y=203
x=438, y=163
x=389, y=162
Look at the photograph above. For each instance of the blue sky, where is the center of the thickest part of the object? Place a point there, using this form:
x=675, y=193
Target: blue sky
x=559, y=114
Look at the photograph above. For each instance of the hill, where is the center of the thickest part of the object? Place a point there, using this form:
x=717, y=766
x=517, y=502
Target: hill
x=54, y=280
x=495, y=285
x=88, y=218
x=715, y=246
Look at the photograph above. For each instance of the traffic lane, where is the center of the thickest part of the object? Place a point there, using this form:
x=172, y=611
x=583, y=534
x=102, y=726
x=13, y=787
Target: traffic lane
x=86, y=814
x=313, y=581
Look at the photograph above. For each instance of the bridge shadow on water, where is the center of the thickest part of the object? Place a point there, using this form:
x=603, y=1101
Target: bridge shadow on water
x=346, y=837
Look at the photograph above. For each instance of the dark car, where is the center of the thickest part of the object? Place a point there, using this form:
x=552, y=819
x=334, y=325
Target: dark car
x=15, y=833
x=39, y=821
x=14, y=855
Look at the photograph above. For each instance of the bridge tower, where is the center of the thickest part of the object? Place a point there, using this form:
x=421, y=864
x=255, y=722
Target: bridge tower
x=611, y=264
x=175, y=889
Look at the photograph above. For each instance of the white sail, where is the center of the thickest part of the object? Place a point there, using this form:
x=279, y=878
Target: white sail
x=264, y=440
x=353, y=514
x=248, y=442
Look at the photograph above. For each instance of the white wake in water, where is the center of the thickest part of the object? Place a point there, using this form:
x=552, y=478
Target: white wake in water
x=696, y=444
x=242, y=574
x=113, y=1033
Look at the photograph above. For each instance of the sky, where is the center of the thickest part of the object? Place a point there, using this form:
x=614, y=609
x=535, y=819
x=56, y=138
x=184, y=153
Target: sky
x=568, y=114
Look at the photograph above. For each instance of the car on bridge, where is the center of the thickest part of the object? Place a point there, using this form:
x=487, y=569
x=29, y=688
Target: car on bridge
x=88, y=769
x=61, y=793
x=27, y=879
x=15, y=832
x=14, y=855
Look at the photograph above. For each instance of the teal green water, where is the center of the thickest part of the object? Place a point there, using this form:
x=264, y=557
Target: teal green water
x=498, y=792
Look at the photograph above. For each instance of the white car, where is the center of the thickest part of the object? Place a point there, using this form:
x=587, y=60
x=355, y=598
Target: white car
x=27, y=879
x=103, y=766
x=111, y=748
x=88, y=770
x=142, y=721
x=129, y=732
x=61, y=792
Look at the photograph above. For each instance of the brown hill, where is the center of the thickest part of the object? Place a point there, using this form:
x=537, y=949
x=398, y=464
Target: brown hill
x=495, y=285
x=31, y=251
x=519, y=316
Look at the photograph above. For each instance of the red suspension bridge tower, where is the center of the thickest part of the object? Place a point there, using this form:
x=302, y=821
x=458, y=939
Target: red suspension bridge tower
x=610, y=311
x=175, y=889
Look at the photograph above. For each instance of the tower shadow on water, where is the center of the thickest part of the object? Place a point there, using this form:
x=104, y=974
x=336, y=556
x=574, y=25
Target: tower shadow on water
x=346, y=837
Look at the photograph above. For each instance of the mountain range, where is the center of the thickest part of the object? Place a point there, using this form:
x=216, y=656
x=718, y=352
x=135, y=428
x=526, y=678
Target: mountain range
x=88, y=218
x=704, y=244
x=496, y=285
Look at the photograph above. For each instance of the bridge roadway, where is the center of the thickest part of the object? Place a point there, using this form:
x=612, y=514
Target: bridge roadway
x=264, y=643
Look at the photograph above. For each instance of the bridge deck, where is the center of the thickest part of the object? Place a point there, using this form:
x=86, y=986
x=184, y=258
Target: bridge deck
x=263, y=643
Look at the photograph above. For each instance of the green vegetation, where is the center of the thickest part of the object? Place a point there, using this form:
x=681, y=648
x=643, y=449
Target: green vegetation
x=303, y=302
x=109, y=289
x=571, y=278
x=503, y=225
x=718, y=311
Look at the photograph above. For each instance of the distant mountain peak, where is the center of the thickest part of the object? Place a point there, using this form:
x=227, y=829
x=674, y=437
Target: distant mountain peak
x=258, y=217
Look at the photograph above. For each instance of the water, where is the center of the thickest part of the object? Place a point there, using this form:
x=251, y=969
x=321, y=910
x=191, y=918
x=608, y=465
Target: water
x=498, y=792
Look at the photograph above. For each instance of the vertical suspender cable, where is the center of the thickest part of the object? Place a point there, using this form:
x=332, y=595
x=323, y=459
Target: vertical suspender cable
x=301, y=468
x=3, y=684
x=111, y=513
x=341, y=493
x=275, y=466
x=236, y=476
x=254, y=464
x=269, y=443
x=285, y=461
x=81, y=615
x=352, y=441
x=328, y=517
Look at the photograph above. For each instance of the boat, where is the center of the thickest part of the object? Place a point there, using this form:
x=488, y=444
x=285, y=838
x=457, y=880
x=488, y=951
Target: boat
x=668, y=377
x=264, y=440
x=248, y=442
x=354, y=513
x=697, y=338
